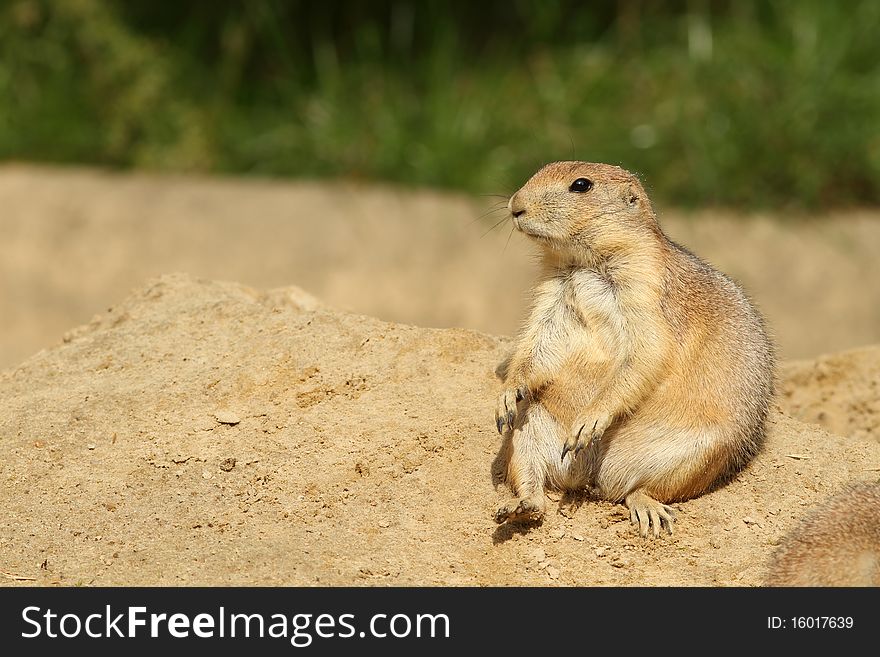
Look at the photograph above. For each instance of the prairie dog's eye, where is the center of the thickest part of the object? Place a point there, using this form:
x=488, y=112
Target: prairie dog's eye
x=581, y=185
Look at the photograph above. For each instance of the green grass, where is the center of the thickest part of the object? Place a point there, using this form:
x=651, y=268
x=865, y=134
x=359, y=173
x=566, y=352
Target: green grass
x=745, y=104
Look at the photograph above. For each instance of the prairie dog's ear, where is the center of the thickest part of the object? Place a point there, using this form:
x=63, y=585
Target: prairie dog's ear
x=631, y=195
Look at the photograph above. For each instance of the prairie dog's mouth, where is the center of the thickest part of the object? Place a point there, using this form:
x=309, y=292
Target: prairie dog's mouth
x=530, y=229
x=540, y=233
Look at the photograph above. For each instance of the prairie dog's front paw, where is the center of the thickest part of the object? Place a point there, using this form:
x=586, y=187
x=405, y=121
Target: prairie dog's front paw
x=505, y=407
x=584, y=431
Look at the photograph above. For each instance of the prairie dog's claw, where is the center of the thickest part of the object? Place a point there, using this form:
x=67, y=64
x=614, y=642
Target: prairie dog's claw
x=581, y=444
x=581, y=437
x=565, y=450
x=649, y=515
x=530, y=509
x=505, y=408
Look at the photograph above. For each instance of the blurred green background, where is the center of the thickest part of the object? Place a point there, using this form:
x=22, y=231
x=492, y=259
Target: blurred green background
x=746, y=104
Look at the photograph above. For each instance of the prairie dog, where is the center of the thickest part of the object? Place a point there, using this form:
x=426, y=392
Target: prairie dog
x=836, y=545
x=641, y=372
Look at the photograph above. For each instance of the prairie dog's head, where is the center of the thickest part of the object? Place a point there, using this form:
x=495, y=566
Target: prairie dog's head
x=571, y=206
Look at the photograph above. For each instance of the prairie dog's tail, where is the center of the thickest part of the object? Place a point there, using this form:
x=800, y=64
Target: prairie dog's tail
x=836, y=545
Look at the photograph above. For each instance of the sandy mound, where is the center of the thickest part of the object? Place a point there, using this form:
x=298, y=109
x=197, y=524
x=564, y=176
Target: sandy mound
x=204, y=433
x=840, y=392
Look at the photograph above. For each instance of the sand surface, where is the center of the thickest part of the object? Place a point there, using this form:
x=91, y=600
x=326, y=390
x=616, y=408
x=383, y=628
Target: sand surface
x=203, y=432
x=840, y=392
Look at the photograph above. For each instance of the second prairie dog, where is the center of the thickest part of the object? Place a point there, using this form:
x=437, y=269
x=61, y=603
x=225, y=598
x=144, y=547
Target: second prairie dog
x=837, y=545
x=642, y=372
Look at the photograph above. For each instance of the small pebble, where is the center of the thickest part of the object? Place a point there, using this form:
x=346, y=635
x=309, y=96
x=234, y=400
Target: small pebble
x=750, y=521
x=577, y=537
x=539, y=555
x=553, y=573
x=90, y=446
x=384, y=523
x=227, y=464
x=714, y=542
x=226, y=417
x=600, y=551
x=206, y=475
x=558, y=533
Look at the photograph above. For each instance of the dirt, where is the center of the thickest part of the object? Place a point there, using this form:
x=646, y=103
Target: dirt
x=202, y=432
x=76, y=240
x=840, y=392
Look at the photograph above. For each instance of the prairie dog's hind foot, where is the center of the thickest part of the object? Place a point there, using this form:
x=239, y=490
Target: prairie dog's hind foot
x=646, y=513
x=526, y=509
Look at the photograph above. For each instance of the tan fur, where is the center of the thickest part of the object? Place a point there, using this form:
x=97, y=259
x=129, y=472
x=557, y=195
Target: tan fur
x=649, y=362
x=837, y=545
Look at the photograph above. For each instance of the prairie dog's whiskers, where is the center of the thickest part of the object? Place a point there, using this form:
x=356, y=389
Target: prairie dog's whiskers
x=497, y=207
x=494, y=226
x=508, y=240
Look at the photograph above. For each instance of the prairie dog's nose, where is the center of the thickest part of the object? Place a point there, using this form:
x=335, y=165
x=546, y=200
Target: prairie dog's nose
x=516, y=206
